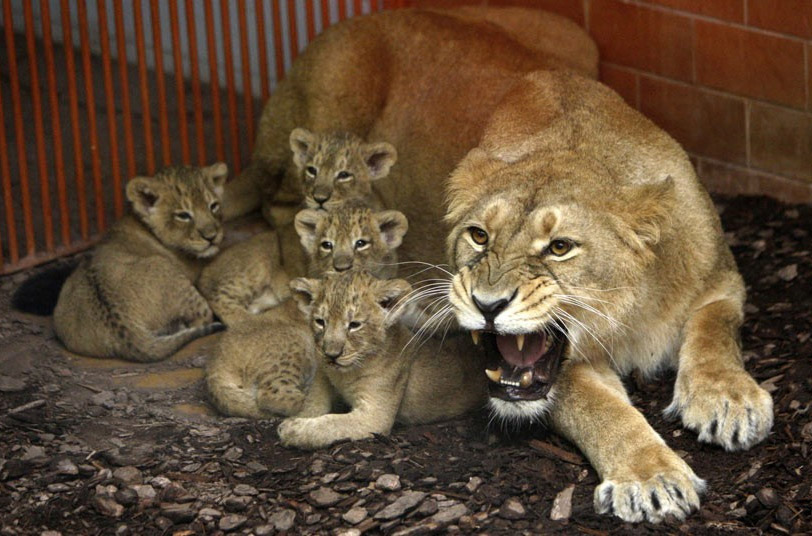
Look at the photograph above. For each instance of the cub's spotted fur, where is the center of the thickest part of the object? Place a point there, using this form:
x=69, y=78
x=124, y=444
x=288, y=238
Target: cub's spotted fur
x=134, y=297
x=364, y=358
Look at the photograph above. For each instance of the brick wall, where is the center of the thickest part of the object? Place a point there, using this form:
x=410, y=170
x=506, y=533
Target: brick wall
x=729, y=79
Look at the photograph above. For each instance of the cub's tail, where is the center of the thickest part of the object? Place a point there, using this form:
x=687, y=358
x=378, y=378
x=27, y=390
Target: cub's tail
x=39, y=293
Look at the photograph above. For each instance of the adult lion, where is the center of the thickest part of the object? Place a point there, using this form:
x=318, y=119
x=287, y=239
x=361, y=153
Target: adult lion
x=581, y=243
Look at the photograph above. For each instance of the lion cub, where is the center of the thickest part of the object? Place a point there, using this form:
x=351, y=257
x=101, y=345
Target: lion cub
x=134, y=297
x=253, y=276
x=364, y=358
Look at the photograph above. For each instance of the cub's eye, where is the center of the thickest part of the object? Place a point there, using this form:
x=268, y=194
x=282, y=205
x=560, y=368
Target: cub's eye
x=479, y=236
x=326, y=245
x=214, y=207
x=361, y=244
x=319, y=322
x=560, y=248
x=354, y=326
x=183, y=216
x=343, y=176
x=312, y=171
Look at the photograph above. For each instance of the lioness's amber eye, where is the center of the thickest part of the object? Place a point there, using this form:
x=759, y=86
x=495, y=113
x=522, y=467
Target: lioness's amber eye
x=479, y=236
x=560, y=247
x=183, y=216
x=310, y=170
x=343, y=175
x=327, y=246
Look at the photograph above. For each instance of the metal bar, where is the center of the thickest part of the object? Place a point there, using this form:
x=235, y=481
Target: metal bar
x=325, y=14
x=247, y=90
x=277, y=40
x=180, y=85
x=214, y=81
x=109, y=95
x=126, y=111
x=357, y=8
x=160, y=83
x=197, y=96
x=234, y=133
x=38, y=258
x=39, y=131
x=342, y=9
x=263, y=52
x=294, y=29
x=70, y=71
x=143, y=84
x=91, y=114
x=19, y=130
x=310, y=17
x=5, y=175
x=56, y=127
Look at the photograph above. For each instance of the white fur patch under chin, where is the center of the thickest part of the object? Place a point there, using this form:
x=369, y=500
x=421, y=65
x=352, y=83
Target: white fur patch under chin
x=522, y=411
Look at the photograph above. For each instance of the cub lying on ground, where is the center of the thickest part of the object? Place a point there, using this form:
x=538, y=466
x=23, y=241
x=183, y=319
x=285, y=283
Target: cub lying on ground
x=365, y=359
x=134, y=297
x=264, y=364
x=253, y=276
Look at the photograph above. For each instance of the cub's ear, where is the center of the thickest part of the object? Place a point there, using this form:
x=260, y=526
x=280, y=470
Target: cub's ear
x=306, y=222
x=392, y=225
x=217, y=173
x=301, y=141
x=389, y=293
x=304, y=291
x=143, y=193
x=379, y=158
x=646, y=215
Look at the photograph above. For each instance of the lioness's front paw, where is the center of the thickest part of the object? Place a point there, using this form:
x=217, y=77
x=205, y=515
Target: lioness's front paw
x=672, y=491
x=294, y=432
x=726, y=407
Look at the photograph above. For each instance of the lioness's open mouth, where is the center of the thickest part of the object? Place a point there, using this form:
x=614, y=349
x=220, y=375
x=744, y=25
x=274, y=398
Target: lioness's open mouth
x=522, y=367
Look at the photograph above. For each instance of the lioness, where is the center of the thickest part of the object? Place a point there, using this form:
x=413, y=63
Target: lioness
x=134, y=297
x=364, y=359
x=581, y=244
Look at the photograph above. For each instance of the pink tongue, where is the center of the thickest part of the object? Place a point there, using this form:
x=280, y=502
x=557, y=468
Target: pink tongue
x=532, y=351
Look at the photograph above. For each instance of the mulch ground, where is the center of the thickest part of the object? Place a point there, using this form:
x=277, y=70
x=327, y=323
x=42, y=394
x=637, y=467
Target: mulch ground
x=80, y=454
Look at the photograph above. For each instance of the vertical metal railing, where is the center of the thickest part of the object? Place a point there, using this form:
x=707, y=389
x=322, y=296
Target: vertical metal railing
x=127, y=86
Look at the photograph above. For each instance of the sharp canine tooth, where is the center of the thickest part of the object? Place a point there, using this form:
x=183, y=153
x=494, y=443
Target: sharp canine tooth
x=494, y=375
x=520, y=341
x=527, y=379
x=475, y=337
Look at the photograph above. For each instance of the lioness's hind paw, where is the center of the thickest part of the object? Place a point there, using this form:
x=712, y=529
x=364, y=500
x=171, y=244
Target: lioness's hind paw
x=674, y=494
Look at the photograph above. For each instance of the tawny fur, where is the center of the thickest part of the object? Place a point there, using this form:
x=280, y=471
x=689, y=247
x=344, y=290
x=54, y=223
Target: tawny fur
x=539, y=155
x=365, y=361
x=134, y=297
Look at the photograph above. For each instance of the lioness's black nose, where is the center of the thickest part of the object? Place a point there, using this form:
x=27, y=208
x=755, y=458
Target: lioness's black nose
x=490, y=310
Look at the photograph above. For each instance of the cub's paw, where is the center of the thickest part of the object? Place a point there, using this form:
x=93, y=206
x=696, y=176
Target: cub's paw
x=724, y=407
x=674, y=490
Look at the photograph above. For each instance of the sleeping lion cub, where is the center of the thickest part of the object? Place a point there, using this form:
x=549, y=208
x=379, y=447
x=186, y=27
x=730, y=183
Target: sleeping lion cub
x=253, y=276
x=134, y=297
x=365, y=358
x=264, y=364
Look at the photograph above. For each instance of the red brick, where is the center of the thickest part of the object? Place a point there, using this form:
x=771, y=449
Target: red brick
x=704, y=123
x=644, y=38
x=736, y=180
x=750, y=63
x=785, y=16
x=732, y=10
x=781, y=141
x=572, y=9
x=624, y=81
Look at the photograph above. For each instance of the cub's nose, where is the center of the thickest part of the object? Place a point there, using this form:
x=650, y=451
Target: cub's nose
x=321, y=197
x=491, y=309
x=209, y=234
x=332, y=355
x=342, y=264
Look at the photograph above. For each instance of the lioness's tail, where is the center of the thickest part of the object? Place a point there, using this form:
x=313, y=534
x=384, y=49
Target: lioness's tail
x=39, y=293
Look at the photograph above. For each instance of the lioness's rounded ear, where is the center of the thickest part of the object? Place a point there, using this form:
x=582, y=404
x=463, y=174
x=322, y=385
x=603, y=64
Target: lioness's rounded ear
x=301, y=140
x=143, y=193
x=393, y=225
x=304, y=290
x=306, y=222
x=389, y=293
x=379, y=158
x=218, y=173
